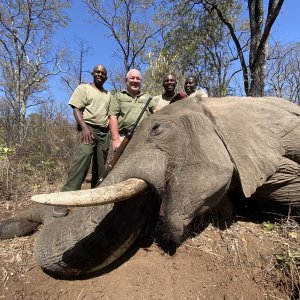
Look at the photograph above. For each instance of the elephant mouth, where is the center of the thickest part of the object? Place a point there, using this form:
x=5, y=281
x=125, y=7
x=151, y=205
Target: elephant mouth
x=99, y=196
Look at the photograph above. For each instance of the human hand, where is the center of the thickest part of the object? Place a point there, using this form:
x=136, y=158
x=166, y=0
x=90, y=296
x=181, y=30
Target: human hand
x=116, y=144
x=86, y=136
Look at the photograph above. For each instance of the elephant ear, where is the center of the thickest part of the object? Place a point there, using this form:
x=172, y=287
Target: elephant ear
x=251, y=129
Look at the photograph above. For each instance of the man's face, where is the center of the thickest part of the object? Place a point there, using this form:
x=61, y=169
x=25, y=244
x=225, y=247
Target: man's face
x=190, y=85
x=99, y=75
x=169, y=83
x=134, y=82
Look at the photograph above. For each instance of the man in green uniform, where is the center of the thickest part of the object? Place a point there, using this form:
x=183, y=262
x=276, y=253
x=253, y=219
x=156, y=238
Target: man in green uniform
x=169, y=84
x=190, y=87
x=126, y=106
x=90, y=103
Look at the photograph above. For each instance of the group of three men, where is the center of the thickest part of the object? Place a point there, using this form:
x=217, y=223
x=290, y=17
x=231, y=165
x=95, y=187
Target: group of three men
x=97, y=112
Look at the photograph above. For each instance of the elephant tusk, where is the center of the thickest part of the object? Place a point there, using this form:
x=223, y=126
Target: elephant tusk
x=99, y=196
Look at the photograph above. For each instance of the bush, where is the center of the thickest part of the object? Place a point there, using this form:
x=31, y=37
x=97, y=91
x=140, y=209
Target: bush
x=40, y=162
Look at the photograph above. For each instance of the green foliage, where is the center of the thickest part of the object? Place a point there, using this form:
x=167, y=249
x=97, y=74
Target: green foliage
x=5, y=151
x=197, y=44
x=268, y=226
x=288, y=260
x=159, y=65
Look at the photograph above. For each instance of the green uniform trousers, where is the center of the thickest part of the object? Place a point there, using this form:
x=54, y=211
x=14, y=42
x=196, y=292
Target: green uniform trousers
x=98, y=151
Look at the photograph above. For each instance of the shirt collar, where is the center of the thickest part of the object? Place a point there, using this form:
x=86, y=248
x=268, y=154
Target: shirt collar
x=136, y=96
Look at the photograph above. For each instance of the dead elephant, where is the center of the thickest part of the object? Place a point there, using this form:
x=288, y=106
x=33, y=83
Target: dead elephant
x=185, y=158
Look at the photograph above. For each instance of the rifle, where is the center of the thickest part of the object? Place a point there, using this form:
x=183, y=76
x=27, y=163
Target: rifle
x=123, y=145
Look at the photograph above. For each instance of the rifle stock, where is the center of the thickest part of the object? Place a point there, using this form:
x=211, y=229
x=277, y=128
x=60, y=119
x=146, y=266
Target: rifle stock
x=114, y=159
x=122, y=146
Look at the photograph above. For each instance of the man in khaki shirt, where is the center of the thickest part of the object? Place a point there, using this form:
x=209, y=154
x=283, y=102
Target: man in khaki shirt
x=90, y=103
x=190, y=86
x=126, y=106
x=169, y=84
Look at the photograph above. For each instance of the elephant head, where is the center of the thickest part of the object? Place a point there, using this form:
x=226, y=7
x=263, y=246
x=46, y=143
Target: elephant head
x=189, y=155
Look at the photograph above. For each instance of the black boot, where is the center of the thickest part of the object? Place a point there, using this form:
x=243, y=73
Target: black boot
x=60, y=211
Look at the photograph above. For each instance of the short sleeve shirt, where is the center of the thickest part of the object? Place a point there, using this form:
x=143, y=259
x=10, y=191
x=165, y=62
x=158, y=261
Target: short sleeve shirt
x=93, y=103
x=161, y=100
x=127, y=108
x=200, y=93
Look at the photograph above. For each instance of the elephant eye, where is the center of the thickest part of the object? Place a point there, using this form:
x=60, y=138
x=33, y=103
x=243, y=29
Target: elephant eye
x=156, y=129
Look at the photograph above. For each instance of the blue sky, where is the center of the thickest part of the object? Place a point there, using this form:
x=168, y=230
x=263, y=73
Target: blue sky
x=286, y=29
x=287, y=25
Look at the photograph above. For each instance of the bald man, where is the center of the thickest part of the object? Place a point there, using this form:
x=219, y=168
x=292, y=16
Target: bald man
x=90, y=103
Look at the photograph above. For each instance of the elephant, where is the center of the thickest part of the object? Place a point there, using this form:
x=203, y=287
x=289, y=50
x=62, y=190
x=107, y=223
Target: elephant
x=181, y=162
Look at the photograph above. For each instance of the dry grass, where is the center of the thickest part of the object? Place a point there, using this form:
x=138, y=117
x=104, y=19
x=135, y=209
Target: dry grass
x=16, y=256
x=40, y=159
x=270, y=249
x=287, y=258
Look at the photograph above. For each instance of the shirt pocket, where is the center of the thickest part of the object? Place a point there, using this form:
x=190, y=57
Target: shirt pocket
x=141, y=102
x=125, y=106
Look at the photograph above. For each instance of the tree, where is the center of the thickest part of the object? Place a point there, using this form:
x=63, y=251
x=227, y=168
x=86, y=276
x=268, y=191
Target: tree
x=160, y=65
x=198, y=44
x=283, y=76
x=75, y=73
x=254, y=72
x=129, y=22
x=26, y=59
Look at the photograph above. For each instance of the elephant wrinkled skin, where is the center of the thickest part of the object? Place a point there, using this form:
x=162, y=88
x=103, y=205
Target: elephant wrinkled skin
x=191, y=154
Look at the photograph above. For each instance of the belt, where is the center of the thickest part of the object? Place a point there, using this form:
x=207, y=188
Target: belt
x=103, y=129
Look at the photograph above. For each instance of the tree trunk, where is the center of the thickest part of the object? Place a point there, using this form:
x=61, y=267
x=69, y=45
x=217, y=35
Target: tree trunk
x=258, y=75
x=259, y=42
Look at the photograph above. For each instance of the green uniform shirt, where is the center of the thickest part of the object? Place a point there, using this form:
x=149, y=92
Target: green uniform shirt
x=162, y=100
x=93, y=103
x=127, y=108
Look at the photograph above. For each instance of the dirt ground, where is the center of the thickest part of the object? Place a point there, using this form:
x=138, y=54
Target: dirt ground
x=238, y=262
